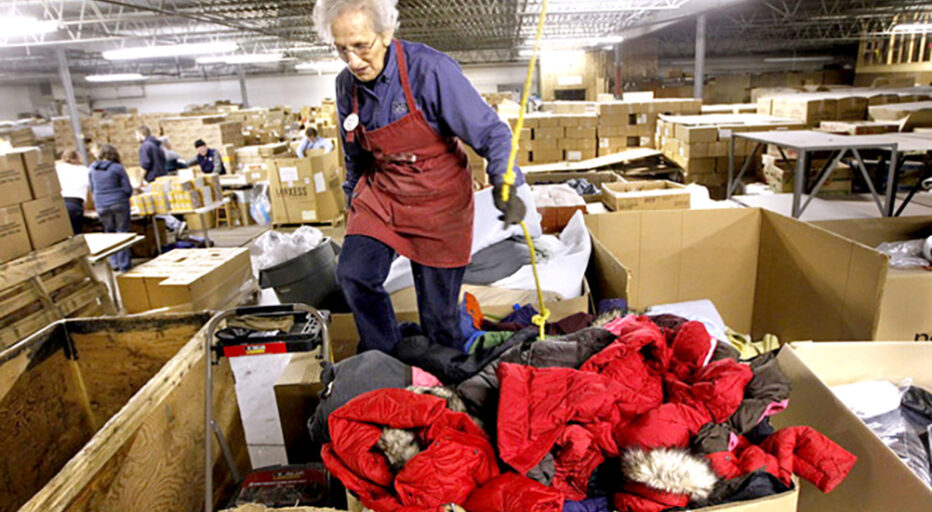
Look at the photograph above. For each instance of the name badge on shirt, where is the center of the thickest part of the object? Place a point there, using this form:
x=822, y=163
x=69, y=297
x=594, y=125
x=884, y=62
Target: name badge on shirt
x=399, y=107
x=351, y=122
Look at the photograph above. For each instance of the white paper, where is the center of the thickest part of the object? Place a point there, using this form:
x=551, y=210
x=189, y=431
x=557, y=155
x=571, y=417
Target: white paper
x=288, y=174
x=320, y=185
x=309, y=215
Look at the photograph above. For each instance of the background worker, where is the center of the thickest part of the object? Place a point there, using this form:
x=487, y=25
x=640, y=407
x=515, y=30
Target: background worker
x=208, y=159
x=74, y=180
x=173, y=160
x=312, y=140
x=111, y=188
x=151, y=157
x=403, y=109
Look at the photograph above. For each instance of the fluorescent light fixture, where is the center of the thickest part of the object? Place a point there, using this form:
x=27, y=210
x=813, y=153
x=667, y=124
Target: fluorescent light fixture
x=912, y=27
x=178, y=50
x=255, y=58
x=18, y=26
x=116, y=77
x=322, y=66
x=799, y=59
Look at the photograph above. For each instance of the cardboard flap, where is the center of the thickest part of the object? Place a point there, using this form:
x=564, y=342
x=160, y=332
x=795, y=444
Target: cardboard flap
x=879, y=480
x=815, y=285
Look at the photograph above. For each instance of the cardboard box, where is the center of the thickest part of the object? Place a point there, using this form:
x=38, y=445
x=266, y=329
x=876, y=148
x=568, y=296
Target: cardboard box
x=47, y=221
x=186, y=280
x=764, y=272
x=578, y=155
x=306, y=190
x=597, y=178
x=14, y=186
x=581, y=132
x=551, y=132
x=879, y=479
x=645, y=195
x=14, y=238
x=41, y=175
x=297, y=396
x=547, y=155
x=906, y=294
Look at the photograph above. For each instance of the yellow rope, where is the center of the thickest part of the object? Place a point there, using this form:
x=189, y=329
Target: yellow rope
x=539, y=320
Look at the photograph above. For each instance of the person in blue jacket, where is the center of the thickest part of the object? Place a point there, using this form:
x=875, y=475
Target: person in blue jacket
x=151, y=156
x=313, y=141
x=111, y=190
x=208, y=159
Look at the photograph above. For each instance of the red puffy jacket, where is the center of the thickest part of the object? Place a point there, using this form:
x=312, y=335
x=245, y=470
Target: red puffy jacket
x=535, y=411
x=793, y=450
x=457, y=458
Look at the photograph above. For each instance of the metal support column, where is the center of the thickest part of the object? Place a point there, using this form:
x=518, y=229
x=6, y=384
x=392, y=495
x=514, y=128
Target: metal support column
x=65, y=75
x=619, y=85
x=699, y=73
x=242, y=85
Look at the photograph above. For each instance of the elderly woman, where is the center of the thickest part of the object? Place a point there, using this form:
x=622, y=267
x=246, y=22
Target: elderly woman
x=404, y=108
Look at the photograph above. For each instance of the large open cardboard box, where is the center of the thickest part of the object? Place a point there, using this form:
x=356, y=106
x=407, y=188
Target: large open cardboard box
x=879, y=480
x=906, y=298
x=766, y=273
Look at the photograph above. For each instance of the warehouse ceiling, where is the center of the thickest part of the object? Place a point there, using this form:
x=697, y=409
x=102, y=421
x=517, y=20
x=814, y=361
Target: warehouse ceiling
x=472, y=30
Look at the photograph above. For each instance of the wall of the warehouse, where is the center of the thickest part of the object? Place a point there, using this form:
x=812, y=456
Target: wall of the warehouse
x=268, y=91
x=14, y=100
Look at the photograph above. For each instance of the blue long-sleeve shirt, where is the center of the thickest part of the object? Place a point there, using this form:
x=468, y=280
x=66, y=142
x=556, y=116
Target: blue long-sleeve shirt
x=109, y=184
x=451, y=105
x=152, y=159
x=318, y=143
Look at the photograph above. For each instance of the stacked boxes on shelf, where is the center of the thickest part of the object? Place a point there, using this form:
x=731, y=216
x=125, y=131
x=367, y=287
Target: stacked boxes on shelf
x=851, y=104
x=778, y=174
x=216, y=131
x=32, y=212
x=175, y=194
x=700, y=144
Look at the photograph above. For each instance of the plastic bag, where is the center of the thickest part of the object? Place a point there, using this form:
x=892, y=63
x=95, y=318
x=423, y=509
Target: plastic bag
x=908, y=254
x=273, y=248
x=260, y=208
x=877, y=404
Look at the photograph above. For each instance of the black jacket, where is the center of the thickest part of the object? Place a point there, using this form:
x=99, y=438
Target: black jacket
x=152, y=158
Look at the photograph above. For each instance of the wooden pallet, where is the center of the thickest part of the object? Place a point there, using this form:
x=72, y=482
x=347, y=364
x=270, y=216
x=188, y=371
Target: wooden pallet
x=46, y=286
x=339, y=221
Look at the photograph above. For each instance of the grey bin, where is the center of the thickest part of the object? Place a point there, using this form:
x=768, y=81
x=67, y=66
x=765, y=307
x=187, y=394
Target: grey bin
x=308, y=279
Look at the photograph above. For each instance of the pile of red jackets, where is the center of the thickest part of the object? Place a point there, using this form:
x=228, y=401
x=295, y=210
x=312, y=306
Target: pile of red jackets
x=666, y=402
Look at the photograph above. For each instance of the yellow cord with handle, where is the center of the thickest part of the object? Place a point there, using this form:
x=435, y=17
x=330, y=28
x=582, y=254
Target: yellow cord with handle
x=540, y=320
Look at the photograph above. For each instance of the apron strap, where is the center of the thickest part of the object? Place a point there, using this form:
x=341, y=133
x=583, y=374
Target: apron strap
x=351, y=135
x=403, y=71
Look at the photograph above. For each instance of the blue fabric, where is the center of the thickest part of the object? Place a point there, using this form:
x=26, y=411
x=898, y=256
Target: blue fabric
x=318, y=143
x=364, y=265
x=451, y=105
x=522, y=315
x=471, y=340
x=210, y=162
x=152, y=158
x=606, y=305
x=587, y=505
x=109, y=184
x=115, y=219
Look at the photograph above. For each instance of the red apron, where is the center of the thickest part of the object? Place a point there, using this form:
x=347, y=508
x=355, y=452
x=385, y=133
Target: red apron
x=418, y=198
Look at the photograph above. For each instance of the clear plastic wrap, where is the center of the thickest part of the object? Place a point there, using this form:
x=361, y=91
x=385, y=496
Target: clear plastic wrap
x=273, y=248
x=907, y=254
x=260, y=208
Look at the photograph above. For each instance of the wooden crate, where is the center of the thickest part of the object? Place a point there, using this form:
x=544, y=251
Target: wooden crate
x=106, y=414
x=48, y=285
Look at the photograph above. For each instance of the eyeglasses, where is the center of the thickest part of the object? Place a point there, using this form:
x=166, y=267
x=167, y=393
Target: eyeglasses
x=360, y=50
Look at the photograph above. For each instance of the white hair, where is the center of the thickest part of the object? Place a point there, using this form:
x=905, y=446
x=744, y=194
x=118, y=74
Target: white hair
x=382, y=13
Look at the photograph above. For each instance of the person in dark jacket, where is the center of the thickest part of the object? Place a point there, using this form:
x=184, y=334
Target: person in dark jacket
x=208, y=159
x=111, y=190
x=151, y=156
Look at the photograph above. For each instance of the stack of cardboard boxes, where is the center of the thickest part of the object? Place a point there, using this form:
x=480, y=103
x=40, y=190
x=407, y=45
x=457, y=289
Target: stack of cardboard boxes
x=700, y=144
x=186, y=280
x=174, y=194
x=849, y=104
x=306, y=190
x=626, y=125
x=252, y=161
x=778, y=174
x=216, y=131
x=32, y=212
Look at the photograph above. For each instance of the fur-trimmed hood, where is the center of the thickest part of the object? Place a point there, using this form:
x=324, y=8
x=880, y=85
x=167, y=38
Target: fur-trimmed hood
x=670, y=470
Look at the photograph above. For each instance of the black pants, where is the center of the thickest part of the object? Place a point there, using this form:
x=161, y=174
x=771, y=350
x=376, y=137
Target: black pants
x=75, y=213
x=364, y=265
